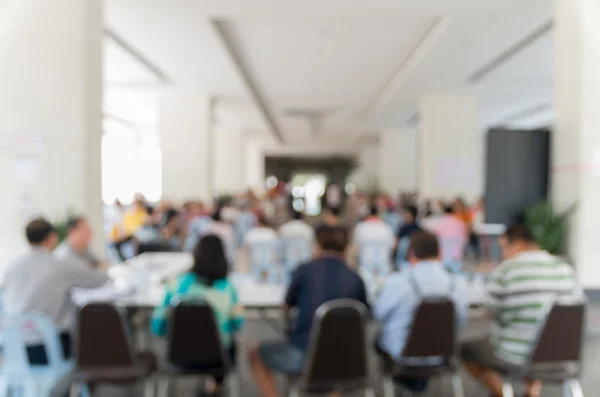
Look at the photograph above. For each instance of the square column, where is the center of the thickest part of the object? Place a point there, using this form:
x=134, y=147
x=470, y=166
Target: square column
x=50, y=116
x=185, y=137
x=576, y=138
x=398, y=160
x=451, y=147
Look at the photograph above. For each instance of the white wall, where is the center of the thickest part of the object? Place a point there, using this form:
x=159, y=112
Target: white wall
x=254, y=164
x=51, y=93
x=229, y=158
x=451, y=147
x=185, y=140
x=398, y=160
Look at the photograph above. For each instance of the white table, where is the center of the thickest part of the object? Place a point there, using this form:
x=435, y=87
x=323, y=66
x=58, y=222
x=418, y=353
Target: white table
x=139, y=283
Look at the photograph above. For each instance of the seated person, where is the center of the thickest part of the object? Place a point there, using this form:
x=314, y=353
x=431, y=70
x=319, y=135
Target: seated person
x=207, y=281
x=171, y=230
x=409, y=214
x=76, y=247
x=331, y=216
x=297, y=228
x=402, y=294
x=374, y=242
x=224, y=230
x=38, y=282
x=453, y=235
x=519, y=288
x=324, y=279
x=135, y=217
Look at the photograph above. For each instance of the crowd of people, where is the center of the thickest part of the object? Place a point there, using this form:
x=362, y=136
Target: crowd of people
x=340, y=242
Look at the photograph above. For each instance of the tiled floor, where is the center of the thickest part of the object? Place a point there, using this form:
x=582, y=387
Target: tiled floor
x=257, y=330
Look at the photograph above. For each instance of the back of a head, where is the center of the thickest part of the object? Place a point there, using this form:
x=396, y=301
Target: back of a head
x=216, y=216
x=373, y=210
x=424, y=245
x=412, y=210
x=335, y=211
x=297, y=215
x=448, y=209
x=518, y=233
x=73, y=222
x=210, y=262
x=168, y=216
x=332, y=238
x=38, y=231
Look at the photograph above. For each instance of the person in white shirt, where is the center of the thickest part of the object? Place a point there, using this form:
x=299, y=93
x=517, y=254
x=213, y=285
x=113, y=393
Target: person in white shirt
x=297, y=228
x=374, y=242
x=297, y=238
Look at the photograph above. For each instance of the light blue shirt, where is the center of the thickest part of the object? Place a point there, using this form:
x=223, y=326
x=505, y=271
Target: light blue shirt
x=398, y=300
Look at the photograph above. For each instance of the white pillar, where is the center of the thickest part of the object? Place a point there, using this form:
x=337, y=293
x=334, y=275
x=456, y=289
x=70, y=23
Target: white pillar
x=50, y=115
x=366, y=175
x=451, y=147
x=254, y=169
x=228, y=160
x=184, y=126
x=398, y=160
x=576, y=136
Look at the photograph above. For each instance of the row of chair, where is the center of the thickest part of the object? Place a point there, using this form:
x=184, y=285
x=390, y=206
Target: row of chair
x=336, y=361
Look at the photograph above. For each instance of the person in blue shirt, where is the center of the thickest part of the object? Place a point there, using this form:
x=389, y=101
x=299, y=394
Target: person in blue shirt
x=402, y=293
x=324, y=279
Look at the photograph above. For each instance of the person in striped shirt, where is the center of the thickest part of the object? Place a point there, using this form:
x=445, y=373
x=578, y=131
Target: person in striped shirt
x=519, y=289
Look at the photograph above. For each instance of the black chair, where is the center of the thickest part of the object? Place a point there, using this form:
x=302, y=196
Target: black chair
x=194, y=347
x=556, y=355
x=433, y=335
x=104, y=352
x=337, y=359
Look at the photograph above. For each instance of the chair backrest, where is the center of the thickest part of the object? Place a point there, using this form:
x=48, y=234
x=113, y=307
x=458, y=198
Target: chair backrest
x=295, y=250
x=433, y=330
x=560, y=337
x=264, y=260
x=15, y=340
x=243, y=224
x=375, y=257
x=337, y=356
x=193, y=337
x=102, y=338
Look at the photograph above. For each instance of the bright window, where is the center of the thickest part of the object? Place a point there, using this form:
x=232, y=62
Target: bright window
x=128, y=165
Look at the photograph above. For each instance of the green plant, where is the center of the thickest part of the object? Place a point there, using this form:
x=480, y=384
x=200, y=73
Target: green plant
x=61, y=226
x=547, y=226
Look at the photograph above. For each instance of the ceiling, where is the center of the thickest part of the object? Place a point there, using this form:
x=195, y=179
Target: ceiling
x=321, y=73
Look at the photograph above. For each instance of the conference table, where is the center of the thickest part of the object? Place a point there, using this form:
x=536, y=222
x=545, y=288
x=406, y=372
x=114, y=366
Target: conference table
x=141, y=281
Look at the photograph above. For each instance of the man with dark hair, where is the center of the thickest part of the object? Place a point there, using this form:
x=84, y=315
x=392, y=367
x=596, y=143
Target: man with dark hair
x=520, y=287
x=410, y=225
x=401, y=295
x=76, y=247
x=324, y=279
x=38, y=282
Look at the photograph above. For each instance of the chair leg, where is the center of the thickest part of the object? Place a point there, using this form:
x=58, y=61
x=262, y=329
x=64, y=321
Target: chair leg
x=507, y=390
x=574, y=388
x=457, y=385
x=150, y=387
x=163, y=386
x=389, y=390
x=235, y=386
x=369, y=392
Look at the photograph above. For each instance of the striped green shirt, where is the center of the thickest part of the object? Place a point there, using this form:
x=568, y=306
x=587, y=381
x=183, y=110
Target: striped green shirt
x=517, y=293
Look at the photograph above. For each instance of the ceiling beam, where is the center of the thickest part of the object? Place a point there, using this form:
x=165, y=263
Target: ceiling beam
x=412, y=61
x=135, y=54
x=242, y=69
